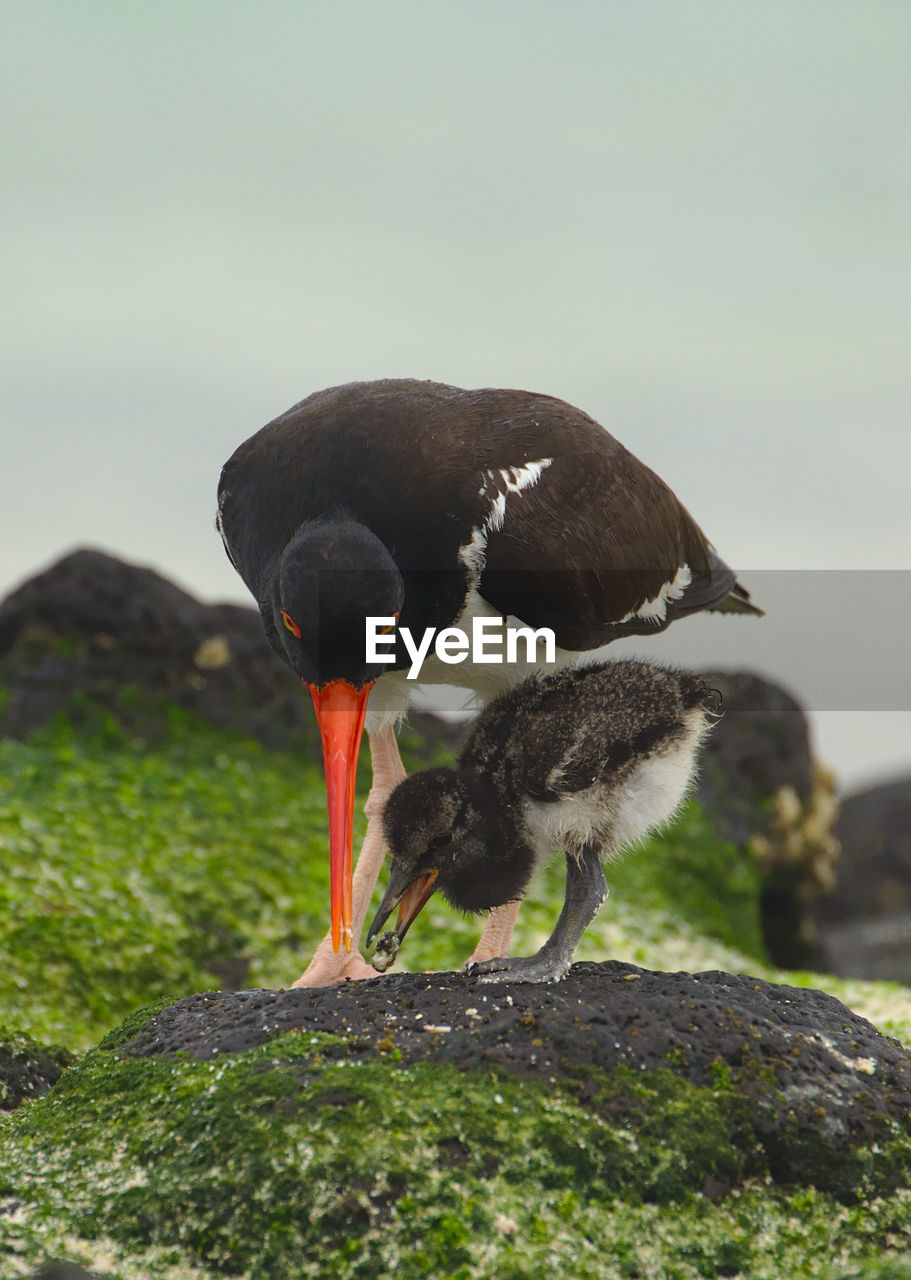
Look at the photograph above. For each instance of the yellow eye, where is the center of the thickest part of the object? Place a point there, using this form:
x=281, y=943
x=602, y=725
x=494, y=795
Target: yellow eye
x=384, y=631
x=291, y=625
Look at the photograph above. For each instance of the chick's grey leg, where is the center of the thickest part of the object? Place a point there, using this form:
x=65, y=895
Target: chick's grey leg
x=586, y=890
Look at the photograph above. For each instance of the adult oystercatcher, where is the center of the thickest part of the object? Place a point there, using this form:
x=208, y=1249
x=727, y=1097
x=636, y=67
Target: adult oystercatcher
x=590, y=759
x=436, y=505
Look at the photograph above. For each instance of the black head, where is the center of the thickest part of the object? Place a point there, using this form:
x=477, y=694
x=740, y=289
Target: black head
x=449, y=831
x=331, y=577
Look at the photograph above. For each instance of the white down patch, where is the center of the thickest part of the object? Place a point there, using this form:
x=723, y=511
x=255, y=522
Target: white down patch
x=500, y=484
x=654, y=610
x=615, y=816
x=653, y=794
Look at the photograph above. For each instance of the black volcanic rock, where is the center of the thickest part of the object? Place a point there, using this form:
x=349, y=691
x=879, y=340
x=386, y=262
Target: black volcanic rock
x=27, y=1068
x=866, y=922
x=415, y=1123
x=760, y=744
x=759, y=751
x=817, y=1080
x=94, y=625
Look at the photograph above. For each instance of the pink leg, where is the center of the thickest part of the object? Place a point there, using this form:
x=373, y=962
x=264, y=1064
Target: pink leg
x=327, y=966
x=497, y=935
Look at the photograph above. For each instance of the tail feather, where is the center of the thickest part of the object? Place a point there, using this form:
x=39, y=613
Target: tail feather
x=737, y=601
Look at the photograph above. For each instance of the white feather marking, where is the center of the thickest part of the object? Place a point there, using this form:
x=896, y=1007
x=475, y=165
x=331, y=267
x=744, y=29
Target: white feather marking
x=519, y=478
x=497, y=512
x=474, y=553
x=654, y=793
x=623, y=810
x=654, y=610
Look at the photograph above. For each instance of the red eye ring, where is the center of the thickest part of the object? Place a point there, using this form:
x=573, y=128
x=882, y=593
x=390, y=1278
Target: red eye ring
x=290, y=624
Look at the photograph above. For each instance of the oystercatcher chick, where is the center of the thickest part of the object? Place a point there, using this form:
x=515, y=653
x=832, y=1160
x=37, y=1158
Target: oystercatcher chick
x=436, y=507
x=589, y=760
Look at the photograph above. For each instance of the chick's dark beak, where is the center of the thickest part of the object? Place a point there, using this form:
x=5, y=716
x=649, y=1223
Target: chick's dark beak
x=409, y=896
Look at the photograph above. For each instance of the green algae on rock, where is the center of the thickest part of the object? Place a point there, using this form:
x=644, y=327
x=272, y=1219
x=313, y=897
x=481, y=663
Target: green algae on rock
x=518, y=1137
x=817, y=1095
x=317, y=1156
x=121, y=884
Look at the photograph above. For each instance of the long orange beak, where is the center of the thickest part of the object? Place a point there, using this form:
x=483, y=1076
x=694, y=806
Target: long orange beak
x=340, y=711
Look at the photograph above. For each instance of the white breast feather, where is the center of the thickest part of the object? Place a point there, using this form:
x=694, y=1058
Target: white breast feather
x=654, y=793
x=613, y=815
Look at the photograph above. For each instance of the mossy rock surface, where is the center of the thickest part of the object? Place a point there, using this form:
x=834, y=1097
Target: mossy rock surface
x=801, y=1088
x=27, y=1068
x=622, y=1124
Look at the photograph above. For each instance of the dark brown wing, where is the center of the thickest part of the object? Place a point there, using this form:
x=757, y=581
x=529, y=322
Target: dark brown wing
x=596, y=539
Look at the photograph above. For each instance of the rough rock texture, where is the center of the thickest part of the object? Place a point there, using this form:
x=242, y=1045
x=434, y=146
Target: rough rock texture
x=94, y=624
x=820, y=1079
x=866, y=922
x=371, y=1152
x=28, y=1069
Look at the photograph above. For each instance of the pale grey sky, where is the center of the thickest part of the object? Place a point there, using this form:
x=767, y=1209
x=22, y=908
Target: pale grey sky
x=691, y=219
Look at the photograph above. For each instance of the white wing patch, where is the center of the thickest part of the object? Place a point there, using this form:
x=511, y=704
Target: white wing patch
x=654, y=610
x=498, y=485
x=622, y=810
x=518, y=478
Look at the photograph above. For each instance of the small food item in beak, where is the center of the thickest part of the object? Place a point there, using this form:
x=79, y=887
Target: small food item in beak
x=387, y=948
